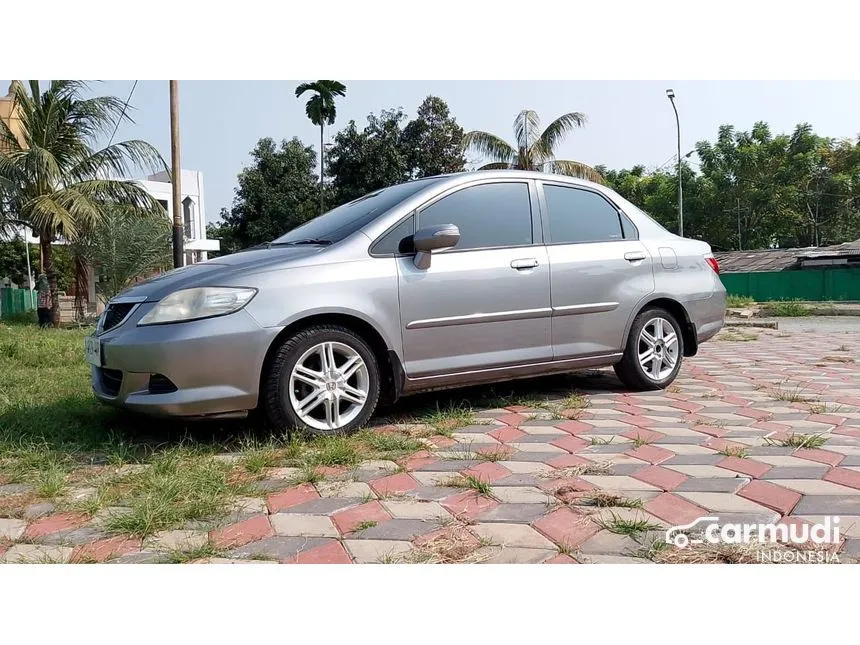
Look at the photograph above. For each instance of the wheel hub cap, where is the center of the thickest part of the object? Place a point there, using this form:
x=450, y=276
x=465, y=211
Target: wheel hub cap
x=658, y=349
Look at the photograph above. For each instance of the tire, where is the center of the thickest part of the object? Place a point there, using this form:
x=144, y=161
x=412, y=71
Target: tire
x=286, y=389
x=631, y=370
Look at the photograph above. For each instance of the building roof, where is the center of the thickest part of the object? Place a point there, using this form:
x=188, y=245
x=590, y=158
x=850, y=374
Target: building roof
x=781, y=259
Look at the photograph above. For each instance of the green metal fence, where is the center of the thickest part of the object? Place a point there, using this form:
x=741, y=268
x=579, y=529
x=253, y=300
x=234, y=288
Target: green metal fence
x=812, y=284
x=15, y=301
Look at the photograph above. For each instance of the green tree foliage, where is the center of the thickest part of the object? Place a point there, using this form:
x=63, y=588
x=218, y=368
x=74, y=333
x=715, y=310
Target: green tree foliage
x=535, y=147
x=276, y=193
x=57, y=180
x=432, y=141
x=13, y=260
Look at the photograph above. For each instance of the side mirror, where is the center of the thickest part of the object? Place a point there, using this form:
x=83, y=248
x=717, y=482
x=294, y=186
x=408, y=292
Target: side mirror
x=433, y=238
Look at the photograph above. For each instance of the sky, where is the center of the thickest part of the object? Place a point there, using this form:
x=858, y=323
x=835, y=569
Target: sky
x=629, y=122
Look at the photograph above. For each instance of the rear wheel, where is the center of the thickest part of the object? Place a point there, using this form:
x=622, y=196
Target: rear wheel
x=324, y=380
x=654, y=350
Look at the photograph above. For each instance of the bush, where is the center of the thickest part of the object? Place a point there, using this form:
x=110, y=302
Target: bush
x=739, y=301
x=787, y=309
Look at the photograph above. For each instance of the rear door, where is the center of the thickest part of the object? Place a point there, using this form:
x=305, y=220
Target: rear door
x=599, y=270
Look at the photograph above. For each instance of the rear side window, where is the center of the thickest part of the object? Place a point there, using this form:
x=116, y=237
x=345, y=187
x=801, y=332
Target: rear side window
x=488, y=215
x=577, y=216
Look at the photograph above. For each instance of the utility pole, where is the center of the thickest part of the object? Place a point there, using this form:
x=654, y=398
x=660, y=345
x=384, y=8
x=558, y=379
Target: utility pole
x=740, y=244
x=671, y=94
x=178, y=236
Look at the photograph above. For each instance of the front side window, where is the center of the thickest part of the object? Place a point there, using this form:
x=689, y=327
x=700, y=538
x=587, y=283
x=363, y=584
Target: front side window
x=488, y=215
x=577, y=215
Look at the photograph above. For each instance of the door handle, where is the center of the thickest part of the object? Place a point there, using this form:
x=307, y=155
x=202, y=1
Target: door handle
x=634, y=256
x=524, y=263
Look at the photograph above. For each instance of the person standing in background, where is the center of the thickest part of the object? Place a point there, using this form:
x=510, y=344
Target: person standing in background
x=43, y=303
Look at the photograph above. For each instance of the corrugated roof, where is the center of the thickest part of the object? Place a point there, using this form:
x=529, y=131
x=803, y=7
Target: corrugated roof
x=779, y=259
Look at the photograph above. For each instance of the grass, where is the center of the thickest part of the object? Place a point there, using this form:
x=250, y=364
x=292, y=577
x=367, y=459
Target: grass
x=631, y=527
x=608, y=500
x=786, y=309
x=600, y=441
x=734, y=335
x=362, y=526
x=638, y=442
x=734, y=451
x=798, y=440
x=824, y=408
x=734, y=302
x=789, y=393
x=470, y=481
x=445, y=420
x=499, y=454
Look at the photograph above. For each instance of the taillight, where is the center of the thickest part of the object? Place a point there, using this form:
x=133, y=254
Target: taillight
x=712, y=262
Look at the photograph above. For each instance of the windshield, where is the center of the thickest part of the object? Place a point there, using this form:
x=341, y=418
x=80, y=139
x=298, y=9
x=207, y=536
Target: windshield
x=345, y=220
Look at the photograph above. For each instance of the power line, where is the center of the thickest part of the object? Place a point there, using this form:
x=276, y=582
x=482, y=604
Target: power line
x=122, y=114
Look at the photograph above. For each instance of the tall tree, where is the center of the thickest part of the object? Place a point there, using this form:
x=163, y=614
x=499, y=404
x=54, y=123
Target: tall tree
x=534, y=148
x=55, y=179
x=276, y=193
x=432, y=141
x=321, y=110
x=361, y=161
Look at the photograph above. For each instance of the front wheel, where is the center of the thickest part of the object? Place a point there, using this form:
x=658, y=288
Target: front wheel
x=654, y=350
x=324, y=380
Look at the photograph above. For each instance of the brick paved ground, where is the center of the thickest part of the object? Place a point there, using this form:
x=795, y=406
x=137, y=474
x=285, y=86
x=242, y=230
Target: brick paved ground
x=549, y=485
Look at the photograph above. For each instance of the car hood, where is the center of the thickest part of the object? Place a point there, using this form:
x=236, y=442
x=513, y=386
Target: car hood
x=218, y=272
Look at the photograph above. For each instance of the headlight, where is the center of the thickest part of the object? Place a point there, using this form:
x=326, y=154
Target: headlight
x=200, y=302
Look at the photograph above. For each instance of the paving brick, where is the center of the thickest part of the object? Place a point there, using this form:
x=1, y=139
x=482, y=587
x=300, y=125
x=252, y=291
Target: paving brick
x=434, y=479
x=231, y=561
x=821, y=456
x=514, y=513
x=651, y=454
x=693, y=460
x=769, y=494
x=514, y=420
x=529, y=467
x=331, y=553
x=72, y=537
x=828, y=505
x=107, y=549
x=542, y=448
x=843, y=476
x=35, y=511
x=11, y=529
x=703, y=471
x=179, y=540
x=723, y=502
x=512, y=535
x=575, y=427
x=506, y=434
x=567, y=528
x=849, y=526
x=673, y=509
x=795, y=472
x=566, y=461
x=291, y=497
x=561, y=558
x=297, y=525
x=611, y=559
x=394, y=484
x=487, y=471
x=397, y=530
x=570, y=443
x=142, y=557
x=607, y=543
x=418, y=460
x=55, y=523
x=415, y=510
x=432, y=493
x=662, y=478
x=278, y=548
x=377, y=551
x=468, y=504
x=512, y=555
x=242, y=533
x=323, y=506
x=617, y=482
x=749, y=467
x=336, y=488
x=37, y=554
x=520, y=495
x=817, y=487
x=446, y=465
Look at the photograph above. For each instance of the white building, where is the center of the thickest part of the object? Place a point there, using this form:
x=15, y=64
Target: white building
x=193, y=211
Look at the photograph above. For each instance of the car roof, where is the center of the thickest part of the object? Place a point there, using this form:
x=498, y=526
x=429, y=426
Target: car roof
x=467, y=176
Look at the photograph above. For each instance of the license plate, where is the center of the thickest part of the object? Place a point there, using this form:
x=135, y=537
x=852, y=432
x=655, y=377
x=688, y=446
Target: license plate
x=93, y=351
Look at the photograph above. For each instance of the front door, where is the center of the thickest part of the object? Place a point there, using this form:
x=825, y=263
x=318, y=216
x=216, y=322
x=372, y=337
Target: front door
x=485, y=303
x=600, y=271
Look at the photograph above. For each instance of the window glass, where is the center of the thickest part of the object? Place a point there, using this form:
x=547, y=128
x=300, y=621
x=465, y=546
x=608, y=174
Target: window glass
x=488, y=215
x=398, y=240
x=580, y=216
x=630, y=232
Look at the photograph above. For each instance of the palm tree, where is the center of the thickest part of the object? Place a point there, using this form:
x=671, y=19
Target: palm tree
x=321, y=109
x=535, y=150
x=55, y=179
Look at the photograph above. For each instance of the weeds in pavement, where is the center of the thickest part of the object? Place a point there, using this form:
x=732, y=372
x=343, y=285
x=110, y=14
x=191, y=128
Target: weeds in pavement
x=608, y=500
x=631, y=527
x=798, y=440
x=736, y=302
x=734, y=451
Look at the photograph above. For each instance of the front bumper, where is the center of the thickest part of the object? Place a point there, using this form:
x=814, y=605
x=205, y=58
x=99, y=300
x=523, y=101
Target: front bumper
x=212, y=366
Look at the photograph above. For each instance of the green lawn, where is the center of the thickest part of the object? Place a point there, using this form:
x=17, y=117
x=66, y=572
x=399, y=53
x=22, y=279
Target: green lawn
x=83, y=456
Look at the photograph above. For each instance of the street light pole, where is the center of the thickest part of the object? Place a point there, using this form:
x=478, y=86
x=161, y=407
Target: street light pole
x=671, y=94
x=178, y=237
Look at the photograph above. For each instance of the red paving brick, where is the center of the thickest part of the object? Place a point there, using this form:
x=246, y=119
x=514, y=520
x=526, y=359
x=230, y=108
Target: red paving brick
x=107, y=549
x=561, y=558
x=487, y=471
x=468, y=504
x=660, y=477
x=651, y=454
x=394, y=484
x=843, y=476
x=759, y=415
x=332, y=553
x=575, y=427
x=291, y=497
x=242, y=533
x=673, y=509
x=718, y=444
x=506, y=434
x=821, y=456
x=564, y=527
x=570, y=443
x=769, y=494
x=331, y=471
x=714, y=431
x=749, y=467
x=640, y=422
x=346, y=521
x=417, y=460
x=567, y=461
x=642, y=434
x=513, y=419
x=54, y=523
x=826, y=418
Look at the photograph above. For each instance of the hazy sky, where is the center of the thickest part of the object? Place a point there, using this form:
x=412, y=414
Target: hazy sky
x=629, y=122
